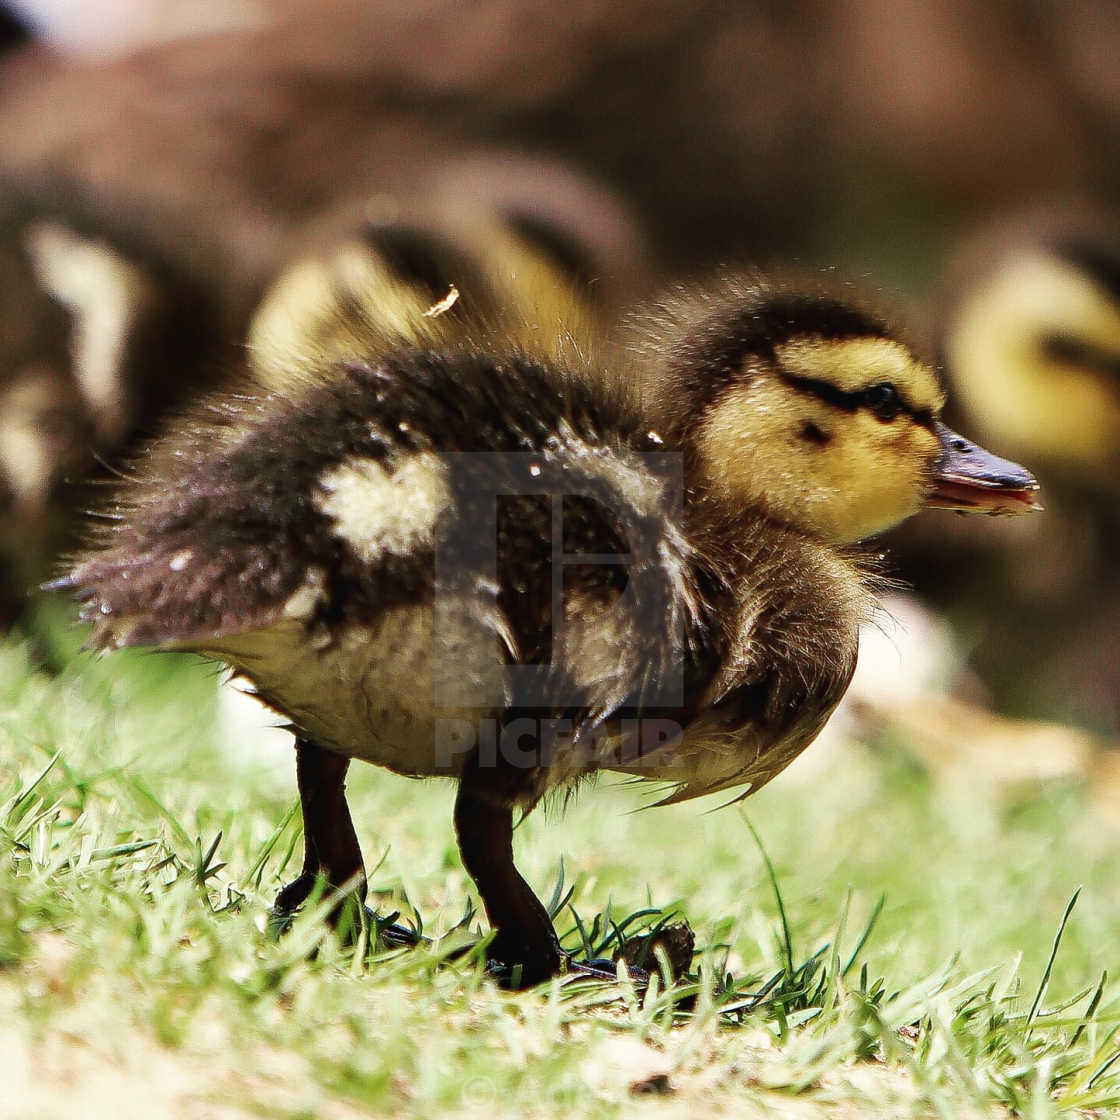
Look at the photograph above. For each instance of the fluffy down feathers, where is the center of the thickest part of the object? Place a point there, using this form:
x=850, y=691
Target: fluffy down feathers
x=277, y=516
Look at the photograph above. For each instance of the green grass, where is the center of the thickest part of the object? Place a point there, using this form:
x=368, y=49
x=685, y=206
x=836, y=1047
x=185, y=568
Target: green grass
x=884, y=947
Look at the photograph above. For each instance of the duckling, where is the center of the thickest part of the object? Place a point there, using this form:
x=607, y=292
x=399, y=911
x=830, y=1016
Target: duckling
x=488, y=566
x=112, y=317
x=482, y=265
x=1030, y=339
x=98, y=331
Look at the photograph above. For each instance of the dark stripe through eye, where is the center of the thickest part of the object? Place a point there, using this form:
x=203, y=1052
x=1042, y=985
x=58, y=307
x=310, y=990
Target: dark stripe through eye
x=558, y=246
x=825, y=391
x=420, y=258
x=1079, y=352
x=883, y=399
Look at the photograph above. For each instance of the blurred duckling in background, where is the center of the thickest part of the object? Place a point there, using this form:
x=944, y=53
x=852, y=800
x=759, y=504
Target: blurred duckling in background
x=112, y=320
x=1030, y=339
x=524, y=250
x=489, y=564
x=1032, y=342
x=99, y=336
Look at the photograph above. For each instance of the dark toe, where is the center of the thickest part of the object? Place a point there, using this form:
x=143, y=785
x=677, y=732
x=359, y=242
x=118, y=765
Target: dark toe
x=518, y=963
x=601, y=968
x=393, y=935
x=294, y=895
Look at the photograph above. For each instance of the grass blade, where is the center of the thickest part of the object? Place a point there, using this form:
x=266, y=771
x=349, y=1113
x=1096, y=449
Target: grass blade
x=1045, y=981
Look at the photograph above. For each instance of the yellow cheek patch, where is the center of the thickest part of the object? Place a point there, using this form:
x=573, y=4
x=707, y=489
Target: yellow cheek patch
x=746, y=420
x=854, y=364
x=872, y=476
x=867, y=476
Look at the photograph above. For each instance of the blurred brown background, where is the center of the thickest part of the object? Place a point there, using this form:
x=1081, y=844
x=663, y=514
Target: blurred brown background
x=872, y=133
x=211, y=144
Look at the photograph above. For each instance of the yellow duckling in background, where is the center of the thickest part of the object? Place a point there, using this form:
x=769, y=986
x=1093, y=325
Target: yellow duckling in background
x=429, y=282
x=524, y=250
x=1032, y=343
x=1030, y=339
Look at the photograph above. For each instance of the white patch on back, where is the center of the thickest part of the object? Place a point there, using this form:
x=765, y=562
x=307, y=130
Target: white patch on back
x=378, y=511
x=31, y=404
x=181, y=560
x=24, y=458
x=106, y=295
x=594, y=637
x=304, y=601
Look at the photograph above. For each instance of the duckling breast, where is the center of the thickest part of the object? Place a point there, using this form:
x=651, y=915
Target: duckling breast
x=371, y=690
x=784, y=655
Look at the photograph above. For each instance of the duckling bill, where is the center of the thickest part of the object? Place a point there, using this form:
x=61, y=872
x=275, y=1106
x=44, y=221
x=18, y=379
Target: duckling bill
x=667, y=549
x=971, y=480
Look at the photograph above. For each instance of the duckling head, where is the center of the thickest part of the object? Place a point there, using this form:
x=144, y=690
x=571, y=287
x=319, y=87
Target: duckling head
x=818, y=414
x=1032, y=344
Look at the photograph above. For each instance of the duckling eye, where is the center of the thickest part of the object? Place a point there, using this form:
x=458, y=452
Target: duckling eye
x=883, y=400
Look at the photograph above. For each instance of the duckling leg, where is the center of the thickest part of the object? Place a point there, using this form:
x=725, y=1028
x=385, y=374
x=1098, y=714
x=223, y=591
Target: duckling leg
x=525, y=940
x=330, y=845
